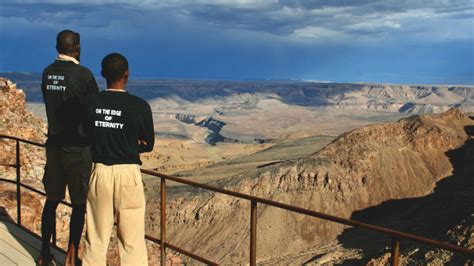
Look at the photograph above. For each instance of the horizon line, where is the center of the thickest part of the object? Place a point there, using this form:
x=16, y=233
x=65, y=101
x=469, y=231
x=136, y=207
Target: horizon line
x=288, y=80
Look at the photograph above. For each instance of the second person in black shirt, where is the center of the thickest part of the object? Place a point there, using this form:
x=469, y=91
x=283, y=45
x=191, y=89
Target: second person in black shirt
x=120, y=126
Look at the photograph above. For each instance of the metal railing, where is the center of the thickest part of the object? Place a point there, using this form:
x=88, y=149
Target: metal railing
x=395, y=235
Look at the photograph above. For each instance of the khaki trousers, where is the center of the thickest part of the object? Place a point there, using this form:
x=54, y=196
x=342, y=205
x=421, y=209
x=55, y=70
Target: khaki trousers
x=115, y=189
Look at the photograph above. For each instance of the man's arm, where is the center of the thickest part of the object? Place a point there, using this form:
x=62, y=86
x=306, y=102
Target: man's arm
x=146, y=135
x=86, y=118
x=92, y=84
x=84, y=106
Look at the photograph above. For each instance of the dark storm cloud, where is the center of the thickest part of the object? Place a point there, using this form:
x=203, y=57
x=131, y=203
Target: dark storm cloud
x=294, y=19
x=50, y=14
x=342, y=40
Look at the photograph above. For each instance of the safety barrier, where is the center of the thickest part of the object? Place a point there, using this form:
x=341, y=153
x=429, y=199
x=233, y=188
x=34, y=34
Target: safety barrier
x=395, y=235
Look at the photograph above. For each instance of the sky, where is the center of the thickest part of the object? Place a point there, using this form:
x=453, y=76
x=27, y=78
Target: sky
x=389, y=41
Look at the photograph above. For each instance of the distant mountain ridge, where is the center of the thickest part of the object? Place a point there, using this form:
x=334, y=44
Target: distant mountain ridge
x=21, y=76
x=168, y=94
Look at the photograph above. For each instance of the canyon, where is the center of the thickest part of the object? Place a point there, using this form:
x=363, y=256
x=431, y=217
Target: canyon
x=394, y=155
x=360, y=169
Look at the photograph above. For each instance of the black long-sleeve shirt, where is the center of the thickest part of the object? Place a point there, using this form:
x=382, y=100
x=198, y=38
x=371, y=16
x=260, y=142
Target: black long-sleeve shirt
x=64, y=86
x=116, y=121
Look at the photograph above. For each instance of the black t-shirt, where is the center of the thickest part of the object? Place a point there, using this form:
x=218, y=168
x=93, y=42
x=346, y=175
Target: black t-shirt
x=116, y=121
x=64, y=87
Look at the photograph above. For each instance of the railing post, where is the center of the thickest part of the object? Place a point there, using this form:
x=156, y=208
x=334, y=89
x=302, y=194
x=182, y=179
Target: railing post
x=253, y=233
x=163, y=220
x=395, y=252
x=18, y=187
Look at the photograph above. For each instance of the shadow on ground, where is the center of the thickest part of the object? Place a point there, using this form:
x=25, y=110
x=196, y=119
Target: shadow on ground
x=9, y=225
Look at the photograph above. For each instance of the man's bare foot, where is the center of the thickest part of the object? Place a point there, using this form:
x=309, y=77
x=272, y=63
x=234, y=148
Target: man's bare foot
x=44, y=260
x=70, y=256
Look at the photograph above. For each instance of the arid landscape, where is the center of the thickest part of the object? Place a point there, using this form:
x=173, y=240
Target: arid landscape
x=268, y=112
x=399, y=156
x=288, y=132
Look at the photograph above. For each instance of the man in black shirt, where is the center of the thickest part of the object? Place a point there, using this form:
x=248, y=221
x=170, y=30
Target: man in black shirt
x=68, y=157
x=120, y=127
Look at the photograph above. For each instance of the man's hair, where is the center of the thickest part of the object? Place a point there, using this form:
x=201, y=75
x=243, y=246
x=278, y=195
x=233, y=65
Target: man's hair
x=114, y=67
x=67, y=41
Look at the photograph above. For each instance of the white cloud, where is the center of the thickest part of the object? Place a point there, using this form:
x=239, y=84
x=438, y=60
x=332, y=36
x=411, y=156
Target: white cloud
x=316, y=33
x=374, y=25
x=158, y=3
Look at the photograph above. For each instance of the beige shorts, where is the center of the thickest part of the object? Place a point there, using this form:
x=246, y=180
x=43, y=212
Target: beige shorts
x=67, y=166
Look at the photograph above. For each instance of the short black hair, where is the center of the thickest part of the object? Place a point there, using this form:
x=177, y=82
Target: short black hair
x=67, y=41
x=114, y=66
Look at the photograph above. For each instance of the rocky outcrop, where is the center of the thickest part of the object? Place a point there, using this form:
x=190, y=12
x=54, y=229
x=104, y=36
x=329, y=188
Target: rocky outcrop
x=359, y=169
x=16, y=121
x=214, y=126
x=445, y=214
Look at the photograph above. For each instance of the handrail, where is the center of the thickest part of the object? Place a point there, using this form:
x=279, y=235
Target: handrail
x=37, y=191
x=336, y=219
x=19, y=184
x=395, y=235
x=22, y=140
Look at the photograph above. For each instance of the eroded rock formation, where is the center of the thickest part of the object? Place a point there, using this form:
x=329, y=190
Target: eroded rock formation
x=17, y=122
x=360, y=169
